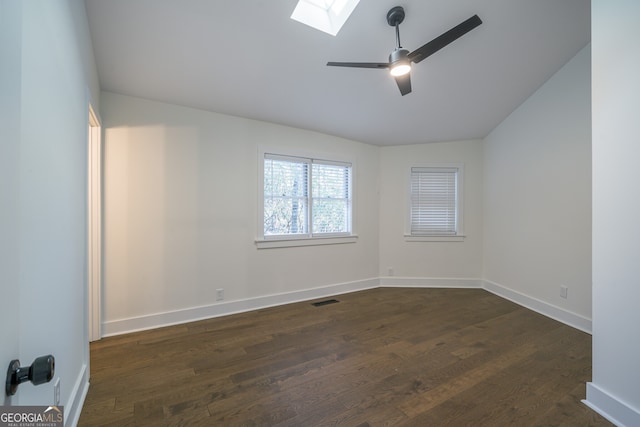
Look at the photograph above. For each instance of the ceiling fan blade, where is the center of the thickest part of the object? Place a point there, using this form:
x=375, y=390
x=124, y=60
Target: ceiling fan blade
x=404, y=83
x=444, y=39
x=379, y=65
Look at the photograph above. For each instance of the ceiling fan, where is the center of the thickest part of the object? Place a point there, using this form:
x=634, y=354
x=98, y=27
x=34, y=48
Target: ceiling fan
x=400, y=59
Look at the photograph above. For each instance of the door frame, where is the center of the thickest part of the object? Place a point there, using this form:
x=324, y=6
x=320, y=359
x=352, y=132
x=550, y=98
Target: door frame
x=94, y=225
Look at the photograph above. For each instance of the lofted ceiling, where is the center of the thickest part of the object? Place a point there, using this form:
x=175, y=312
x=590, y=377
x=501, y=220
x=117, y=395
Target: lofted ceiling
x=248, y=58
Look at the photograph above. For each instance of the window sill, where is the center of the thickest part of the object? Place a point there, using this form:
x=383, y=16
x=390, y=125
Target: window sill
x=410, y=238
x=314, y=241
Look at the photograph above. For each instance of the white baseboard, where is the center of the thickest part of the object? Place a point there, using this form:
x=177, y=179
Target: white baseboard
x=73, y=408
x=572, y=319
x=428, y=282
x=619, y=413
x=158, y=320
x=567, y=317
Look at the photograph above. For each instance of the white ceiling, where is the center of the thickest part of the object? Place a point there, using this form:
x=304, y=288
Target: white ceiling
x=248, y=58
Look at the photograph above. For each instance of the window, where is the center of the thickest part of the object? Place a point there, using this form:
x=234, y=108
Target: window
x=435, y=203
x=324, y=15
x=306, y=198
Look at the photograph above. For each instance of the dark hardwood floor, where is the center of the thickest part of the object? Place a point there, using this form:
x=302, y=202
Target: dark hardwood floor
x=383, y=357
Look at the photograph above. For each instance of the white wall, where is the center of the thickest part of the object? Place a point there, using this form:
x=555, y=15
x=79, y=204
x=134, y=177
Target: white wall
x=428, y=260
x=84, y=46
x=180, y=216
x=537, y=198
x=47, y=216
x=615, y=389
x=181, y=220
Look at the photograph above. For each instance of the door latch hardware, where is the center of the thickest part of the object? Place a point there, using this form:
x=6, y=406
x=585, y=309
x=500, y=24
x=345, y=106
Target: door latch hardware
x=41, y=371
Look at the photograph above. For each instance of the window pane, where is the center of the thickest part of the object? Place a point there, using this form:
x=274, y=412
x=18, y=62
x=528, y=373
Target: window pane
x=285, y=216
x=285, y=197
x=330, y=216
x=285, y=178
x=331, y=196
x=330, y=181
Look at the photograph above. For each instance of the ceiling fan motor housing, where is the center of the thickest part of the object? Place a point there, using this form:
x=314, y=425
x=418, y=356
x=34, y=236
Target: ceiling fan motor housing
x=398, y=55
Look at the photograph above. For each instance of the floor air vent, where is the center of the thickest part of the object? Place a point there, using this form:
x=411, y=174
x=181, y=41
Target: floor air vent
x=321, y=303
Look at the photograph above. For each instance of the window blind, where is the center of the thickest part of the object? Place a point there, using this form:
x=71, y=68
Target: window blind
x=433, y=201
x=331, y=206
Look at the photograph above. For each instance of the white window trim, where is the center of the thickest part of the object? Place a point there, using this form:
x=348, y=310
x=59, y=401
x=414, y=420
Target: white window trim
x=459, y=236
x=305, y=241
x=286, y=241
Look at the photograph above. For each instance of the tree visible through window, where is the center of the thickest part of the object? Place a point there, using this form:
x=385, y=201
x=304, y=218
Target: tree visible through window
x=306, y=197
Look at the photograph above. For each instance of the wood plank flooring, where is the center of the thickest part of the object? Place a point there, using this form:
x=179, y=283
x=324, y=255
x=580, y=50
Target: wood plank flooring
x=382, y=357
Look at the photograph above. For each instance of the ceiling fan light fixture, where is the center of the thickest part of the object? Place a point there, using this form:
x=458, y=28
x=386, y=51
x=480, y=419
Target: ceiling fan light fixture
x=400, y=69
x=400, y=64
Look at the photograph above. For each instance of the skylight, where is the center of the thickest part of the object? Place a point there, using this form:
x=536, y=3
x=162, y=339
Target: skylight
x=324, y=15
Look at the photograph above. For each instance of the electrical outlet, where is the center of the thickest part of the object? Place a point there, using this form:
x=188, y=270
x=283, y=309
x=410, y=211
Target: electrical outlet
x=390, y=271
x=563, y=291
x=56, y=392
x=219, y=294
